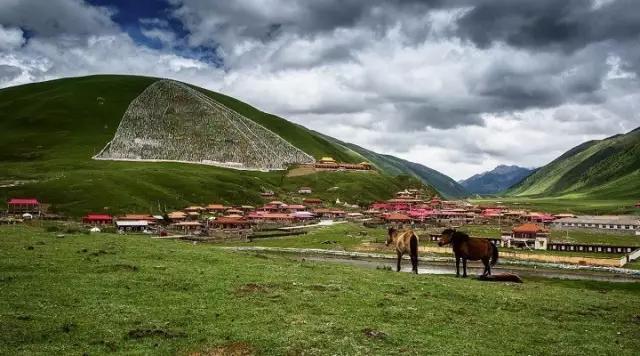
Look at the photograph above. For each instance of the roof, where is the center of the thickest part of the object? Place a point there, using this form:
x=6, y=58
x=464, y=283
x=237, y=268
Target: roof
x=187, y=223
x=136, y=217
x=98, y=217
x=396, y=217
x=215, y=207
x=305, y=188
x=529, y=228
x=602, y=219
x=194, y=207
x=23, y=201
x=177, y=215
x=296, y=206
x=230, y=220
x=274, y=216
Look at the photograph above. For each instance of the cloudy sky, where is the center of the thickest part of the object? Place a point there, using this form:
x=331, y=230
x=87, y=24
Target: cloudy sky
x=458, y=85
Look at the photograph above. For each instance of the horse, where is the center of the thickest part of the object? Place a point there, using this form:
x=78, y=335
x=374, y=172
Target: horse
x=470, y=248
x=406, y=241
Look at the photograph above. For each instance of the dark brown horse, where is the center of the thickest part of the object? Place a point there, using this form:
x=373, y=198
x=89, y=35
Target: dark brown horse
x=470, y=248
x=405, y=241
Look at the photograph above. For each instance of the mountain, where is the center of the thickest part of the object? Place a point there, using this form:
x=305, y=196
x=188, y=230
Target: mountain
x=599, y=169
x=171, y=121
x=496, y=180
x=444, y=184
x=50, y=131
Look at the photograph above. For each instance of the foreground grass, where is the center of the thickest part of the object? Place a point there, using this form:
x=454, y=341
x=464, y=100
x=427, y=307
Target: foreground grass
x=131, y=294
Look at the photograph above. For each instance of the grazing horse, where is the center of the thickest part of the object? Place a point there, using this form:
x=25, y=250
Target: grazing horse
x=406, y=241
x=470, y=248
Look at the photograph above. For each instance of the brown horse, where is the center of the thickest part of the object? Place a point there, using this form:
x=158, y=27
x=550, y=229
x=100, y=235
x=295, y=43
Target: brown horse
x=470, y=248
x=406, y=241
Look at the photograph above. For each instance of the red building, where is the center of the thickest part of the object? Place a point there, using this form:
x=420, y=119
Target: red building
x=312, y=202
x=98, y=219
x=396, y=218
x=23, y=205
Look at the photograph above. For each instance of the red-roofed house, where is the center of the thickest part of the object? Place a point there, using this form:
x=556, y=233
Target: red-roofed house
x=23, y=205
x=396, y=218
x=98, y=219
x=527, y=235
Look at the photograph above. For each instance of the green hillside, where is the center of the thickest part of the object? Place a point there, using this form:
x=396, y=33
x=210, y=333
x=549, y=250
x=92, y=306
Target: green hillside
x=49, y=131
x=393, y=165
x=603, y=169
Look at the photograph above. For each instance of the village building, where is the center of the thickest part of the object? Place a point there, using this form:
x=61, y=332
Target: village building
x=215, y=208
x=230, y=222
x=194, y=209
x=234, y=211
x=304, y=190
x=302, y=215
x=98, y=219
x=138, y=217
x=267, y=194
x=187, y=226
x=527, y=236
x=396, y=218
x=312, y=202
x=17, y=206
x=177, y=216
x=296, y=207
x=618, y=223
x=325, y=213
x=132, y=225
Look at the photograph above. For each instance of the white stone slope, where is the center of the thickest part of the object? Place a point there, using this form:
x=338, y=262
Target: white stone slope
x=170, y=121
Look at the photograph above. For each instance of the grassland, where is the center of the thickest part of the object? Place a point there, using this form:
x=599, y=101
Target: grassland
x=574, y=203
x=129, y=294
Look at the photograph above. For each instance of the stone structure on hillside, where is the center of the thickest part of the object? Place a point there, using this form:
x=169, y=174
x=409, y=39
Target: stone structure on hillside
x=171, y=121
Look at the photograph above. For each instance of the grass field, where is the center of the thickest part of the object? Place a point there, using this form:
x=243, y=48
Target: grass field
x=129, y=294
x=575, y=204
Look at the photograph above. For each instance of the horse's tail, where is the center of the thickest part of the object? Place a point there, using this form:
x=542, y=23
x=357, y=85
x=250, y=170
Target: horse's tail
x=413, y=245
x=494, y=254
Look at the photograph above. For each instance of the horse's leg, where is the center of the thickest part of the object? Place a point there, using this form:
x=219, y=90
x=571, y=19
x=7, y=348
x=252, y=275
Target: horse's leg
x=399, y=259
x=414, y=263
x=457, y=266
x=464, y=268
x=487, y=266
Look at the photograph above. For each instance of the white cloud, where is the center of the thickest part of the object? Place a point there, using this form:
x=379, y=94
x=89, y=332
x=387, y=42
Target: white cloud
x=10, y=38
x=395, y=78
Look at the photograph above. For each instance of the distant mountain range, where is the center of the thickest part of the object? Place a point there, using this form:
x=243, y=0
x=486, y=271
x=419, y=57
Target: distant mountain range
x=599, y=169
x=496, y=180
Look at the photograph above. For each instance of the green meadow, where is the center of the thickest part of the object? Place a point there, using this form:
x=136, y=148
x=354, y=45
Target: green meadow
x=70, y=293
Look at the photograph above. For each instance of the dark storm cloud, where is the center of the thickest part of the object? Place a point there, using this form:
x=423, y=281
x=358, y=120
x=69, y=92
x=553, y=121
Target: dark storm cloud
x=54, y=18
x=567, y=24
x=416, y=116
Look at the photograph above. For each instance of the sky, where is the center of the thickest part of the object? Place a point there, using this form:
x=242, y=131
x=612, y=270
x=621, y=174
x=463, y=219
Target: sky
x=460, y=85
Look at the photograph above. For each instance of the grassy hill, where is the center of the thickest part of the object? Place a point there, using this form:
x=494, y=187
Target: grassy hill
x=49, y=131
x=393, y=165
x=603, y=169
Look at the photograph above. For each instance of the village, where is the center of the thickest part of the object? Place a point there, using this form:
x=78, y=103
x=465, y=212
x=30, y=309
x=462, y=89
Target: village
x=507, y=227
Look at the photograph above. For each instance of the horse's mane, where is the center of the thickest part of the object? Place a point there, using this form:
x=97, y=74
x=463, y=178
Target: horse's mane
x=456, y=236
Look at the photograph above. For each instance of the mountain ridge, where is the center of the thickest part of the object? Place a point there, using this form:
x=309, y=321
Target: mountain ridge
x=589, y=169
x=496, y=180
